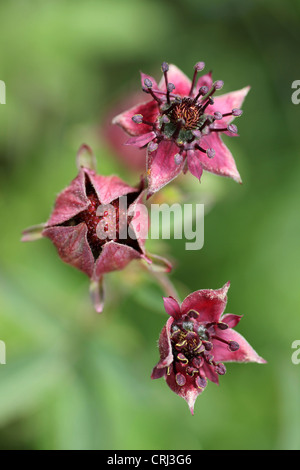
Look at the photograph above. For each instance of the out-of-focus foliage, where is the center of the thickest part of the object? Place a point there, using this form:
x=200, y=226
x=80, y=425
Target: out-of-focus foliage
x=76, y=380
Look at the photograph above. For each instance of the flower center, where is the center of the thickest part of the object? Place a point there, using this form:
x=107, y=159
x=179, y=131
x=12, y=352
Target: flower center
x=109, y=223
x=186, y=119
x=187, y=112
x=192, y=347
x=105, y=222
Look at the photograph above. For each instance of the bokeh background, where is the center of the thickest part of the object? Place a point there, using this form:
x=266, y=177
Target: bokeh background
x=77, y=380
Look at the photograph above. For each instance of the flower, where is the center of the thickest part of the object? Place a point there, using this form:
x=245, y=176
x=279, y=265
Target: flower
x=98, y=224
x=195, y=342
x=182, y=125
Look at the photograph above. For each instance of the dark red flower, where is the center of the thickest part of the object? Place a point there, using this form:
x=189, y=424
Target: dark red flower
x=196, y=341
x=182, y=125
x=98, y=225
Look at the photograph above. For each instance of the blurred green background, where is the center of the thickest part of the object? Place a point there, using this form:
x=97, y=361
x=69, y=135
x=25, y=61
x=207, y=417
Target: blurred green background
x=77, y=380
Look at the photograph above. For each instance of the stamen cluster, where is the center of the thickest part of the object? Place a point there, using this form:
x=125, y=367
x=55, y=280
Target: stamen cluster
x=184, y=120
x=193, y=346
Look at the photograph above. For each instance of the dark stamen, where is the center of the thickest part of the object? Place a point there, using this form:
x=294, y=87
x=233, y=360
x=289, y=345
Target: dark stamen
x=148, y=89
x=206, y=123
x=198, y=67
x=178, y=158
x=198, y=147
x=209, y=101
x=165, y=68
x=216, y=86
x=138, y=119
x=220, y=369
x=231, y=128
x=218, y=115
x=201, y=92
x=235, y=112
x=152, y=146
x=232, y=345
x=170, y=88
x=210, y=153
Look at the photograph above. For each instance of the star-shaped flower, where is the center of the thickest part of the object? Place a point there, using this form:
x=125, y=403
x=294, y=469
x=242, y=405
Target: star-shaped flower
x=182, y=125
x=98, y=225
x=196, y=341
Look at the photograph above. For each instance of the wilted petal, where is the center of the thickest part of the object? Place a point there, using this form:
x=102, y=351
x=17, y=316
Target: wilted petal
x=114, y=257
x=109, y=188
x=223, y=162
x=139, y=226
x=148, y=110
x=70, y=201
x=72, y=246
x=210, y=304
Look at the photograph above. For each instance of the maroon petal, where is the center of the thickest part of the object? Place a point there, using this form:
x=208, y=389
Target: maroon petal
x=172, y=307
x=109, y=188
x=158, y=372
x=245, y=353
x=179, y=79
x=72, y=246
x=161, y=166
x=194, y=164
x=139, y=225
x=205, y=80
x=141, y=140
x=70, y=201
x=231, y=320
x=210, y=373
x=226, y=103
x=114, y=257
x=148, y=110
x=165, y=351
x=223, y=162
x=185, y=386
x=144, y=77
x=210, y=304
